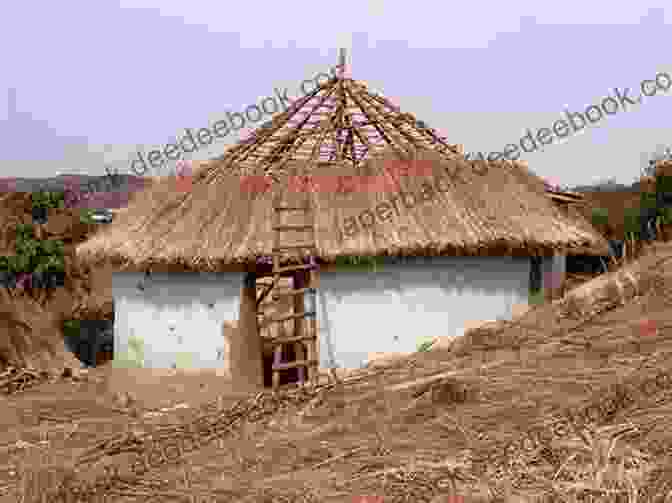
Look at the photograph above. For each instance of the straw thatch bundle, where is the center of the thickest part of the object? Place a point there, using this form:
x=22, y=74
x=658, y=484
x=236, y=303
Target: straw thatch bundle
x=615, y=288
x=485, y=208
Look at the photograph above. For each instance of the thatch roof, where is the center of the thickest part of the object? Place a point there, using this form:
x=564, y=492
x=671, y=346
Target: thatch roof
x=487, y=208
x=341, y=128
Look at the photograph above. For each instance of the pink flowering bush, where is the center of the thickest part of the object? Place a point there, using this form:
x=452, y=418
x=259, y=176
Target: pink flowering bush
x=8, y=185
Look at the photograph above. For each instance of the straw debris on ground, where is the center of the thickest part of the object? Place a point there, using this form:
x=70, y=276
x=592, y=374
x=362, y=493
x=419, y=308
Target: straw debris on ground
x=557, y=405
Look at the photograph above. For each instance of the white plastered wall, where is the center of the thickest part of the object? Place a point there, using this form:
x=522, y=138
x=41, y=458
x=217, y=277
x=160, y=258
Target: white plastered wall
x=178, y=317
x=400, y=305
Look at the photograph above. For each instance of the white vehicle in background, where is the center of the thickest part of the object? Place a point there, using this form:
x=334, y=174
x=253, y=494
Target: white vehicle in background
x=102, y=216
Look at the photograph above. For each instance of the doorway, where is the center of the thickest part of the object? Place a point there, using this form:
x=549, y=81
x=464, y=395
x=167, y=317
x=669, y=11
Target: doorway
x=536, y=275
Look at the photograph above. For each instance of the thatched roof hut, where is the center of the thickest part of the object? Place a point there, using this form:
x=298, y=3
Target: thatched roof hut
x=446, y=206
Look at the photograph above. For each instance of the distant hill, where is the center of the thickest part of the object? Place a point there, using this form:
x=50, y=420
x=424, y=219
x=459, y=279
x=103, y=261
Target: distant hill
x=605, y=187
x=60, y=182
x=104, y=191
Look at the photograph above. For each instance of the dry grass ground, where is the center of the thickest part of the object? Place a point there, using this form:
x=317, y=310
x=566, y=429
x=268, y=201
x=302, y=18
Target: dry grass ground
x=496, y=416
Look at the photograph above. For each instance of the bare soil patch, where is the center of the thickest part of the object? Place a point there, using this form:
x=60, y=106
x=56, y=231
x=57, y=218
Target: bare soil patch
x=557, y=404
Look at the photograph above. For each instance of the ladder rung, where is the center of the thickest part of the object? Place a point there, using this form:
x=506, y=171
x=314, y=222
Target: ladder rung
x=292, y=365
x=265, y=292
x=297, y=316
x=288, y=340
x=288, y=268
x=293, y=228
x=295, y=247
x=274, y=297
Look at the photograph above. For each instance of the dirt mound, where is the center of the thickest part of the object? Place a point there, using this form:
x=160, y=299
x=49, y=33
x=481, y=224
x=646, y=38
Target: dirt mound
x=31, y=318
x=31, y=335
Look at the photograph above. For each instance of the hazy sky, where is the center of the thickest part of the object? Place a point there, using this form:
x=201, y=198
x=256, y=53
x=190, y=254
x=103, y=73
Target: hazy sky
x=95, y=81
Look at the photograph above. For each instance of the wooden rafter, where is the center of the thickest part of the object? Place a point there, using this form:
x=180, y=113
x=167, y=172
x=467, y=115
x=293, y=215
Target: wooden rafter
x=339, y=121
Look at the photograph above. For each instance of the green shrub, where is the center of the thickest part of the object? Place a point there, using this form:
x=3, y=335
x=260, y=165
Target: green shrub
x=536, y=298
x=358, y=263
x=664, y=184
x=44, y=199
x=666, y=216
x=631, y=222
x=599, y=216
x=32, y=255
x=71, y=327
x=648, y=200
x=86, y=216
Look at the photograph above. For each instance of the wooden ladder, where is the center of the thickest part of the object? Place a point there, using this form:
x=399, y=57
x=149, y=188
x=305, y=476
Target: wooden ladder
x=308, y=364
